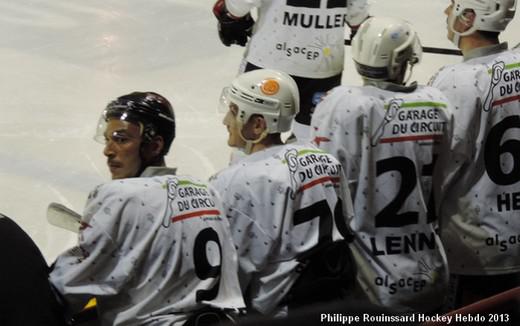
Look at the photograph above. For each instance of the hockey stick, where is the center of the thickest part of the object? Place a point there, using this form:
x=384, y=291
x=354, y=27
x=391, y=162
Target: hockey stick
x=63, y=217
x=428, y=49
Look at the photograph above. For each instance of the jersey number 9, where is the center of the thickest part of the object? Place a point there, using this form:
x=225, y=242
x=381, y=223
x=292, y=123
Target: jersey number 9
x=203, y=268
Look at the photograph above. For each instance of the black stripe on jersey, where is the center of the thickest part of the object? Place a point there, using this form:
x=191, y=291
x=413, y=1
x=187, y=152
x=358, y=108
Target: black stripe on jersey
x=336, y=4
x=304, y=3
x=316, y=3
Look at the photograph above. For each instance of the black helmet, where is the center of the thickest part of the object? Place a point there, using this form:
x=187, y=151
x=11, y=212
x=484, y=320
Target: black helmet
x=150, y=109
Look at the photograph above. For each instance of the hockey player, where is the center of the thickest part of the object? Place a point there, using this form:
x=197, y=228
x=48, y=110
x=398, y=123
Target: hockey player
x=285, y=203
x=481, y=177
x=137, y=130
x=152, y=250
x=302, y=38
x=386, y=135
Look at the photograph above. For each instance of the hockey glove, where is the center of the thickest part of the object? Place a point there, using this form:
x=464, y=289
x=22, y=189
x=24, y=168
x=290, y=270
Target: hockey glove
x=232, y=30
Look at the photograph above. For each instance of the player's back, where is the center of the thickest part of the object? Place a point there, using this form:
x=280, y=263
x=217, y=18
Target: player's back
x=281, y=202
x=153, y=250
x=480, y=205
x=387, y=143
x=302, y=38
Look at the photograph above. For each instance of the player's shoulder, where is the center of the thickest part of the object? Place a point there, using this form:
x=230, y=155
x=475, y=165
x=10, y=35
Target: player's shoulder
x=457, y=68
x=301, y=155
x=222, y=177
x=272, y=164
x=430, y=94
x=345, y=93
x=459, y=74
x=189, y=186
x=137, y=187
x=182, y=180
x=297, y=149
x=345, y=102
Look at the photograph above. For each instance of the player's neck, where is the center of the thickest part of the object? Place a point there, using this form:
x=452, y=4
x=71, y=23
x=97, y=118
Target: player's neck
x=474, y=41
x=269, y=141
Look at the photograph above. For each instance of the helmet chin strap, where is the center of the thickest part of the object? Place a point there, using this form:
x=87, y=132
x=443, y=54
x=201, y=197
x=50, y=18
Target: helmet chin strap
x=456, y=36
x=456, y=39
x=250, y=143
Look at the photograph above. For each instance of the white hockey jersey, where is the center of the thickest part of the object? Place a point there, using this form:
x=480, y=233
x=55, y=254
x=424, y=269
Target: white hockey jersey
x=481, y=180
x=386, y=142
x=301, y=38
x=152, y=251
x=280, y=203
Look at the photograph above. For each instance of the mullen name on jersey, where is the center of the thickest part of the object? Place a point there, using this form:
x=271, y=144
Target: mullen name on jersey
x=314, y=21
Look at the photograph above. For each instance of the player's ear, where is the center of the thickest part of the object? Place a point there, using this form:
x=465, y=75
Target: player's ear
x=259, y=125
x=153, y=148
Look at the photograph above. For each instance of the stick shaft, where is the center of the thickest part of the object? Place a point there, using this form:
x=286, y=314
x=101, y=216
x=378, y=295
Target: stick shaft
x=429, y=49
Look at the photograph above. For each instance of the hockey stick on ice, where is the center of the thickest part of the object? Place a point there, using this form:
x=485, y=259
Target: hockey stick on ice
x=63, y=217
x=428, y=49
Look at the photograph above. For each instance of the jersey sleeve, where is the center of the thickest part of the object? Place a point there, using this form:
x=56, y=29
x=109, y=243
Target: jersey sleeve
x=357, y=11
x=462, y=94
x=464, y=127
x=101, y=263
x=240, y=8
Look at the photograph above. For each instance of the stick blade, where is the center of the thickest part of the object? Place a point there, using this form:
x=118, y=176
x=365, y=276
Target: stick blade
x=63, y=217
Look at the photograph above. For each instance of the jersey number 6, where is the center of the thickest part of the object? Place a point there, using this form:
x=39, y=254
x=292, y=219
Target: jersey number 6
x=494, y=149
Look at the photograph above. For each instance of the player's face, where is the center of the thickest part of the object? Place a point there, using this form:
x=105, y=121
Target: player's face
x=458, y=24
x=122, y=148
x=230, y=121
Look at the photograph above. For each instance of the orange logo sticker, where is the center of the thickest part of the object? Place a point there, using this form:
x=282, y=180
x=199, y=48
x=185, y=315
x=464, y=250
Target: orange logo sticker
x=270, y=87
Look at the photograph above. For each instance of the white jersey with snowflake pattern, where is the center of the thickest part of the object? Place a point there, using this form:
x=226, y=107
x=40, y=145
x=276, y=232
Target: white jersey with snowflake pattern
x=481, y=204
x=281, y=202
x=303, y=38
x=152, y=251
x=386, y=142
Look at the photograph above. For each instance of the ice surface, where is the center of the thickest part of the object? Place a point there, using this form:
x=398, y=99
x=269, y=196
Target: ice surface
x=61, y=61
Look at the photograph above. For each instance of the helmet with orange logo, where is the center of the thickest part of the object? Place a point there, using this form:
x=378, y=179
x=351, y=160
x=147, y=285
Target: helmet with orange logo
x=266, y=92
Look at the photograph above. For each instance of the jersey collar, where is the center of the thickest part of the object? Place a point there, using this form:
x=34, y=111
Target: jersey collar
x=485, y=51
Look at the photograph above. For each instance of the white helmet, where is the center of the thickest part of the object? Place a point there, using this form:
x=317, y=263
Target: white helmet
x=490, y=15
x=266, y=92
x=383, y=45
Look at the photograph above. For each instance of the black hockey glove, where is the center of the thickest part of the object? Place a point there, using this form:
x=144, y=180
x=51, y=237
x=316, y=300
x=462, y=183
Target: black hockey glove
x=232, y=30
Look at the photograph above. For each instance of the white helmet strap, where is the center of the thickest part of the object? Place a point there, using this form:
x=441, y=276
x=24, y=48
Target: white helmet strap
x=250, y=143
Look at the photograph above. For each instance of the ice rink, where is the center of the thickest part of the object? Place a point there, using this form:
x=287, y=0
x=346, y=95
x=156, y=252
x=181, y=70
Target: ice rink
x=62, y=61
